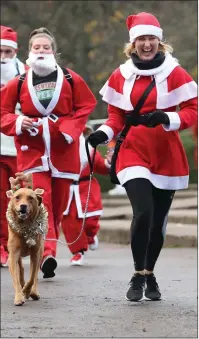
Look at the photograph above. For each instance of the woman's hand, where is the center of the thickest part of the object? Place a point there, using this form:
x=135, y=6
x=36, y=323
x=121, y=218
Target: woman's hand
x=109, y=155
x=26, y=123
x=158, y=117
x=96, y=138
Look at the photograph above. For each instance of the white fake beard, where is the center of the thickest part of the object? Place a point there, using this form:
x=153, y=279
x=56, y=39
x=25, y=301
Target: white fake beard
x=8, y=70
x=42, y=67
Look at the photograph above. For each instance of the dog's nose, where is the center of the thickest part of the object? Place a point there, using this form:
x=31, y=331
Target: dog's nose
x=23, y=208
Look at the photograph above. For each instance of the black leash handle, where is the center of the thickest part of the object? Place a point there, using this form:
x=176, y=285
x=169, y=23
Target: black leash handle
x=90, y=161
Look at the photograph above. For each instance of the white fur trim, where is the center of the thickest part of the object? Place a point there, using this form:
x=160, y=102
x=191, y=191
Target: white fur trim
x=174, y=122
x=140, y=30
x=162, y=72
x=74, y=192
x=46, y=111
x=114, y=98
x=108, y=130
x=71, y=192
x=18, y=124
x=79, y=205
x=82, y=152
x=24, y=147
x=35, y=170
x=159, y=181
x=65, y=175
x=7, y=42
x=68, y=138
x=183, y=93
x=47, y=140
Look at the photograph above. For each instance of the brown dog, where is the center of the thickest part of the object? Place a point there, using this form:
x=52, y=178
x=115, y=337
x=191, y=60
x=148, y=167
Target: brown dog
x=27, y=221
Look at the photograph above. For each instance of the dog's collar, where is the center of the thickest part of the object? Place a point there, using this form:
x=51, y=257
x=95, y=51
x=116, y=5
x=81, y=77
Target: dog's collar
x=31, y=232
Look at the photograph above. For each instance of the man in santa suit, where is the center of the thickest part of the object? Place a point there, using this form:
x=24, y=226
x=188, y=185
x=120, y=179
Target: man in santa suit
x=78, y=239
x=11, y=66
x=151, y=163
x=47, y=134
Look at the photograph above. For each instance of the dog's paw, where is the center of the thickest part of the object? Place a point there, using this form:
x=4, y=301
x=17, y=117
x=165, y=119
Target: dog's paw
x=26, y=291
x=35, y=295
x=19, y=300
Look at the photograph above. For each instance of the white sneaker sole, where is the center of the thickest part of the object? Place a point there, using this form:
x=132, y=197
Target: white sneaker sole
x=94, y=247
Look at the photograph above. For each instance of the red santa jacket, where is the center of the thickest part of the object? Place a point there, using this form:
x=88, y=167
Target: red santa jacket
x=156, y=154
x=7, y=146
x=54, y=140
x=79, y=190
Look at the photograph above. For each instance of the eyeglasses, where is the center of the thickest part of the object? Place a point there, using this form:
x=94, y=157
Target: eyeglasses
x=6, y=51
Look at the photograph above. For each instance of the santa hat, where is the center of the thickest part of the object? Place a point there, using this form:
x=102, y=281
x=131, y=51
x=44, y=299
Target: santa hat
x=143, y=24
x=8, y=37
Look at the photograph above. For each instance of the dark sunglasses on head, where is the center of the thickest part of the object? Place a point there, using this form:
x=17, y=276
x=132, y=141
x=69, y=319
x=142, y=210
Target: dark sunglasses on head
x=6, y=51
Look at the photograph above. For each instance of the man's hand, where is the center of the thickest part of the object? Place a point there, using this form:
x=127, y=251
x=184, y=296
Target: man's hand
x=26, y=123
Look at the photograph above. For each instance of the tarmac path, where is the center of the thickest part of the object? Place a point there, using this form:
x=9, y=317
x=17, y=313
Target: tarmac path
x=88, y=302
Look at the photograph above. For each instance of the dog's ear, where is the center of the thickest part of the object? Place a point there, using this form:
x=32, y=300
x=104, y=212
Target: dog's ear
x=38, y=193
x=39, y=198
x=9, y=194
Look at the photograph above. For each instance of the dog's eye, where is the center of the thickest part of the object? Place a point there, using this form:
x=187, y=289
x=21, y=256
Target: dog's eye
x=17, y=197
x=30, y=198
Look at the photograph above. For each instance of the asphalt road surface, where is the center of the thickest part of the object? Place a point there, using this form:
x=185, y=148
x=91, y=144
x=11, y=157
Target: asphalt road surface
x=88, y=302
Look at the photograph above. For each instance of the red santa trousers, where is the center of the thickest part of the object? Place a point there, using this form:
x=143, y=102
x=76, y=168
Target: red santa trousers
x=72, y=225
x=56, y=193
x=8, y=168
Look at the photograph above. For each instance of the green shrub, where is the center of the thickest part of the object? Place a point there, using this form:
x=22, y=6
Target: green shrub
x=188, y=142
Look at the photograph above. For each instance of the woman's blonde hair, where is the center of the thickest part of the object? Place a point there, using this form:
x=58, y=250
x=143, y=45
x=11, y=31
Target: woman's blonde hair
x=40, y=33
x=164, y=47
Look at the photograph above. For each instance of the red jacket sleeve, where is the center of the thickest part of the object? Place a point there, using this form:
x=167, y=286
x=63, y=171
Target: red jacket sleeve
x=84, y=104
x=8, y=99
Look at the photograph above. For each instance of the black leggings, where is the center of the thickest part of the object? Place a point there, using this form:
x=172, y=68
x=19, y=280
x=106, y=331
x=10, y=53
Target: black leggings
x=150, y=213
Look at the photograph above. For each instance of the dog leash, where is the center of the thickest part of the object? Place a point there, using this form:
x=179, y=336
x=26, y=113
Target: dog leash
x=91, y=165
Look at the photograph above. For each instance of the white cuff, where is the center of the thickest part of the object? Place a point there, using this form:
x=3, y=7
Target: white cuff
x=108, y=131
x=18, y=124
x=174, y=122
x=107, y=163
x=68, y=138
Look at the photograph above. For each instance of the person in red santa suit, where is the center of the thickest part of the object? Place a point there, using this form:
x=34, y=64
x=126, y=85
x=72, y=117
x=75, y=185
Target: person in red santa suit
x=11, y=66
x=151, y=162
x=47, y=134
x=80, y=240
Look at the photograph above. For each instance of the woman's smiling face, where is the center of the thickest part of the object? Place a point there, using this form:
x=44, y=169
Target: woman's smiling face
x=146, y=47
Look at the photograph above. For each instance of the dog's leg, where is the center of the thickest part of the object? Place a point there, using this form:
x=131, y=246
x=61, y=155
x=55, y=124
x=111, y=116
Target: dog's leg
x=14, y=271
x=34, y=268
x=21, y=272
x=34, y=291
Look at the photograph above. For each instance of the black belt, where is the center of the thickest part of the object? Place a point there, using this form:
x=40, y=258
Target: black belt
x=76, y=182
x=52, y=117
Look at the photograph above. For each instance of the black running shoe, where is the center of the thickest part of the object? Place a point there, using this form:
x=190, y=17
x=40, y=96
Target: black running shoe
x=48, y=266
x=152, y=291
x=135, y=291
